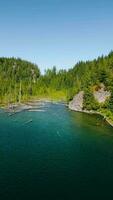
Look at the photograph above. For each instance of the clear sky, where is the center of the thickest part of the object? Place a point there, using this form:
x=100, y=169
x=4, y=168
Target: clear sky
x=56, y=32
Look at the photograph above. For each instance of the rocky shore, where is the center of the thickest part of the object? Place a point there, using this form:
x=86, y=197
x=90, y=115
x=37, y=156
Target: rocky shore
x=32, y=105
x=77, y=103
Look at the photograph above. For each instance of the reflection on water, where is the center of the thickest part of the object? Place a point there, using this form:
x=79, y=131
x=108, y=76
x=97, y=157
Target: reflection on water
x=57, y=154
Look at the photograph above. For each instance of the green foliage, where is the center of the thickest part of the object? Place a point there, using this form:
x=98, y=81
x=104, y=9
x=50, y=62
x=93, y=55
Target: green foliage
x=89, y=101
x=110, y=103
x=21, y=80
x=15, y=73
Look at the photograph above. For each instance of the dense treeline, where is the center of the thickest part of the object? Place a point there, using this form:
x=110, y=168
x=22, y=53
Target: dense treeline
x=17, y=79
x=21, y=80
x=83, y=76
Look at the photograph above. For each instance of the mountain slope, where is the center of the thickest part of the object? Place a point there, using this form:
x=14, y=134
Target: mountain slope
x=17, y=79
x=21, y=80
x=95, y=79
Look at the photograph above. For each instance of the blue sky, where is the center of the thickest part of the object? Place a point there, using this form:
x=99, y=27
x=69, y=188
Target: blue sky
x=56, y=32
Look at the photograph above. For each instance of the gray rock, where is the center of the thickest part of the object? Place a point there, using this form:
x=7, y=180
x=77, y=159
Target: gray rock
x=101, y=95
x=77, y=103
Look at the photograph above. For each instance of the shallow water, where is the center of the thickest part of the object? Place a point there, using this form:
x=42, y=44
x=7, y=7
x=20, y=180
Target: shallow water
x=56, y=154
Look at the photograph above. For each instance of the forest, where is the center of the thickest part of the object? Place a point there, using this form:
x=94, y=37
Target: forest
x=21, y=81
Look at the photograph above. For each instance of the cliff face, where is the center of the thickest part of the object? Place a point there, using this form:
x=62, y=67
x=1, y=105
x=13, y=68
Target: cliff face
x=101, y=95
x=77, y=103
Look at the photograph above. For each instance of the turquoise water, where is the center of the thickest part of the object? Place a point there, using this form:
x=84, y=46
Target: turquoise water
x=60, y=155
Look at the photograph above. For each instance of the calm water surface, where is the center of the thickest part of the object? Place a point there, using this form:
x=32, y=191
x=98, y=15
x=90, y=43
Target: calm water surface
x=60, y=155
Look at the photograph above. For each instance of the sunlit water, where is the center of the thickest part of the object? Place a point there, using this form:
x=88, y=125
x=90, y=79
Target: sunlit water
x=56, y=154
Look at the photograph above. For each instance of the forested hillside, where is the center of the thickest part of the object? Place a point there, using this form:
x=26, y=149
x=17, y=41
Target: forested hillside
x=85, y=76
x=21, y=80
x=17, y=80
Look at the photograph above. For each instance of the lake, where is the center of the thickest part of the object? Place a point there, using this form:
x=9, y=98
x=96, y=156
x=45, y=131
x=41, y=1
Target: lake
x=55, y=154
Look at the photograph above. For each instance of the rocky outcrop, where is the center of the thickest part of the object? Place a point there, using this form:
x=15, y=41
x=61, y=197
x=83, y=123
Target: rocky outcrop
x=77, y=103
x=101, y=95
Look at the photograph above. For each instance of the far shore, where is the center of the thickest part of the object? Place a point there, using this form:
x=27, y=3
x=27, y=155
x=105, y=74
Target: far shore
x=26, y=105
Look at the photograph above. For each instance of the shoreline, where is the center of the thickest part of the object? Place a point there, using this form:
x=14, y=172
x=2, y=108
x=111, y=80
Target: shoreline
x=13, y=107
x=95, y=113
x=27, y=105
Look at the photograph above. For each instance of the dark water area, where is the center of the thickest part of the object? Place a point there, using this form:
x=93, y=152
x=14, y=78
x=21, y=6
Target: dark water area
x=55, y=155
